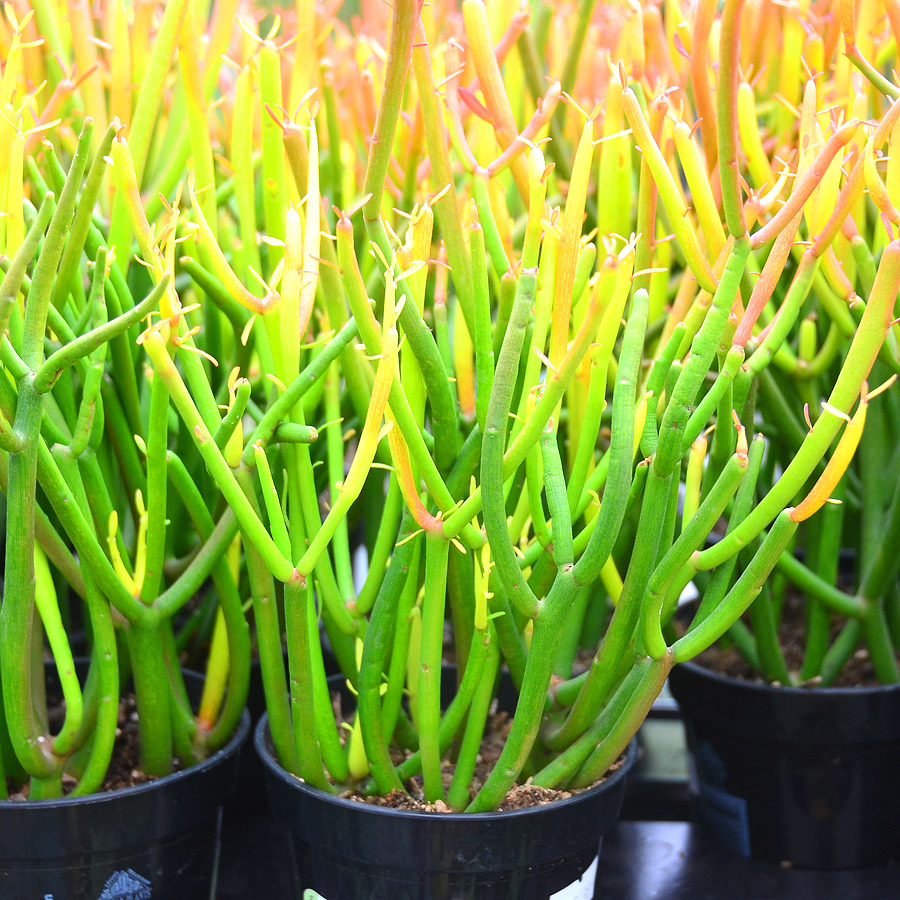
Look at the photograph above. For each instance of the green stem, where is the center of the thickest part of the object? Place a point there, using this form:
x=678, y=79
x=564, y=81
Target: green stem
x=875, y=630
x=297, y=600
x=382, y=624
x=281, y=408
x=484, y=351
x=703, y=350
x=823, y=550
x=573, y=54
x=493, y=444
x=273, y=175
x=562, y=667
x=557, y=502
x=395, y=692
x=144, y=120
x=884, y=562
x=423, y=345
x=105, y=661
x=280, y=566
x=35, y=324
x=217, y=539
x=840, y=651
x=860, y=357
x=326, y=729
x=18, y=615
x=81, y=224
x=546, y=635
x=47, y=604
x=765, y=630
x=743, y=503
x=404, y=20
x=620, y=733
x=745, y=590
x=621, y=627
x=724, y=382
x=90, y=412
x=384, y=544
x=621, y=449
x=399, y=404
x=727, y=120
x=458, y=795
x=153, y=694
x=479, y=677
x=83, y=346
x=812, y=584
x=437, y=549
x=572, y=757
x=446, y=209
x=271, y=660
x=693, y=534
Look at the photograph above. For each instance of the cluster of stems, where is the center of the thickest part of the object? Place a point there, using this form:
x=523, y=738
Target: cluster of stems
x=478, y=328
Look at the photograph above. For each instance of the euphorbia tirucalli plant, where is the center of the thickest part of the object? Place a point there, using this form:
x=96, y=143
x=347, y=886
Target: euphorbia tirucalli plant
x=492, y=493
x=848, y=544
x=97, y=485
x=480, y=446
x=66, y=496
x=91, y=523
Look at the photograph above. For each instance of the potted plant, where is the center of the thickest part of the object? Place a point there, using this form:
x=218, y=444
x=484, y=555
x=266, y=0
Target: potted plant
x=460, y=413
x=791, y=721
x=100, y=794
x=493, y=432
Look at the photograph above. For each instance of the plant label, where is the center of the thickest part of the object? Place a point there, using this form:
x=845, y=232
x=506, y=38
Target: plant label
x=583, y=889
x=126, y=885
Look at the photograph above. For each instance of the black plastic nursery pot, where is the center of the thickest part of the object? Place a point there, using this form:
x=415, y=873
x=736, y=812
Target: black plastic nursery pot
x=155, y=841
x=805, y=776
x=348, y=850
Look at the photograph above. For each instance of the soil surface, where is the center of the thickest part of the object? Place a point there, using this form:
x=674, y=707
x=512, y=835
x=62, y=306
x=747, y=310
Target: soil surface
x=857, y=672
x=520, y=796
x=124, y=769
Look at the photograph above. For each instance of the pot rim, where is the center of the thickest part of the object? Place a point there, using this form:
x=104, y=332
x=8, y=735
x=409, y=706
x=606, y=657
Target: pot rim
x=229, y=749
x=790, y=690
x=267, y=754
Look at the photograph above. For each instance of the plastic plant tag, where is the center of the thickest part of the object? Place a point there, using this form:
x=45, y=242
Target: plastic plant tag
x=583, y=889
x=310, y=894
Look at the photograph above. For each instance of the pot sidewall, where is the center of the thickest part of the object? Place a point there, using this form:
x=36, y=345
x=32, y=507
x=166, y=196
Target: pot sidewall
x=157, y=840
x=806, y=776
x=344, y=849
